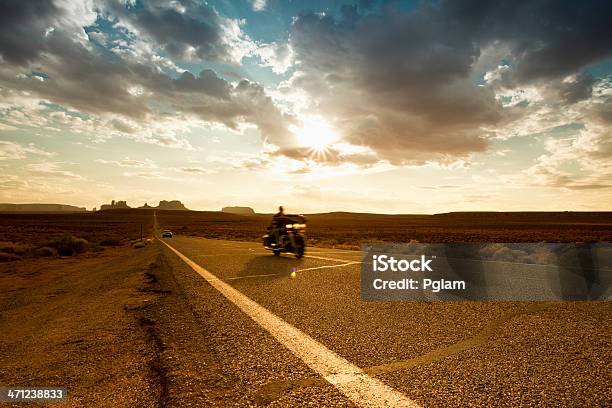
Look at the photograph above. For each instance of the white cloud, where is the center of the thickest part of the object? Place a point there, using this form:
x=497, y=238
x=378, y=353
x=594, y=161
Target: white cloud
x=15, y=151
x=51, y=169
x=127, y=162
x=152, y=175
x=241, y=161
x=259, y=5
x=195, y=170
x=278, y=56
x=12, y=182
x=4, y=126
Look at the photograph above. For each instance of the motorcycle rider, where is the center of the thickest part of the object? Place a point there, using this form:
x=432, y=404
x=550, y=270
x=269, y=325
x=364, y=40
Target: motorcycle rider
x=278, y=224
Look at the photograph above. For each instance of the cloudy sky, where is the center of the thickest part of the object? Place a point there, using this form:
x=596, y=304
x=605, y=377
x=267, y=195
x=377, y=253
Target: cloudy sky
x=391, y=107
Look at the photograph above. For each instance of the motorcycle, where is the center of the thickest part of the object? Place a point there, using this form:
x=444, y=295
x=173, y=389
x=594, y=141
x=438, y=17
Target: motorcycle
x=290, y=236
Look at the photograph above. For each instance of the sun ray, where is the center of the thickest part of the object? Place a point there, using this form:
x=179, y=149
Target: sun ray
x=315, y=134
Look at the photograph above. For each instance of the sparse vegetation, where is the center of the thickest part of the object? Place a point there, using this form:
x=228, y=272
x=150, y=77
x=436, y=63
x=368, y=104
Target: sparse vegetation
x=45, y=251
x=50, y=234
x=68, y=245
x=350, y=230
x=110, y=242
x=15, y=248
x=37, y=235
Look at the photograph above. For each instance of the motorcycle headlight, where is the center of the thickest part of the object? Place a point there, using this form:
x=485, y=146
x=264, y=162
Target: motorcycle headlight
x=289, y=226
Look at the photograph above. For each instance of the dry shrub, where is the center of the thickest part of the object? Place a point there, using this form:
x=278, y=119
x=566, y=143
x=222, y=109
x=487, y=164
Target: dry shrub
x=45, y=251
x=500, y=252
x=67, y=245
x=4, y=257
x=110, y=242
x=14, y=248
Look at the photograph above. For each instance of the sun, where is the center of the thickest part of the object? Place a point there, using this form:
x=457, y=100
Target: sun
x=315, y=133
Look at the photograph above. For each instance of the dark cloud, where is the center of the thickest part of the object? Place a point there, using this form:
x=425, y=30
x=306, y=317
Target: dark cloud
x=80, y=74
x=261, y=110
x=402, y=83
x=219, y=101
x=604, y=112
x=207, y=82
x=397, y=83
x=548, y=38
x=24, y=23
x=215, y=100
x=185, y=29
x=82, y=78
x=43, y=37
x=578, y=90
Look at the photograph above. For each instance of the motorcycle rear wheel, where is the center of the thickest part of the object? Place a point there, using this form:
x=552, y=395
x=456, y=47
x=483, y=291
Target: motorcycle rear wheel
x=299, y=253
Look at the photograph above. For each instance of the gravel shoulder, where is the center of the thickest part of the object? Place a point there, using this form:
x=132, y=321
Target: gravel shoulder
x=74, y=322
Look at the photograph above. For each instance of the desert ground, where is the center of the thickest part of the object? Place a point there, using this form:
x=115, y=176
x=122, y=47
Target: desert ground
x=124, y=324
x=21, y=234
x=349, y=230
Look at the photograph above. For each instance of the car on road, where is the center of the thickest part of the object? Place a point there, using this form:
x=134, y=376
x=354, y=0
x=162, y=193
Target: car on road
x=167, y=234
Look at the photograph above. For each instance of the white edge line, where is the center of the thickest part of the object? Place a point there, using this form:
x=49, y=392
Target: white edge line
x=357, y=386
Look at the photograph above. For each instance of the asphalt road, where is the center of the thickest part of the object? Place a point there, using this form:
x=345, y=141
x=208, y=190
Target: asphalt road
x=432, y=353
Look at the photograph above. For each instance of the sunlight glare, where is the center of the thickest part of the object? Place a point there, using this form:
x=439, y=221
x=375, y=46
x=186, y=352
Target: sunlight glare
x=314, y=133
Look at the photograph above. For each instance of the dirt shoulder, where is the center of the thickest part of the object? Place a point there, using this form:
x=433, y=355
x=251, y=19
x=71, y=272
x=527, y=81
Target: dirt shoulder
x=117, y=329
x=78, y=322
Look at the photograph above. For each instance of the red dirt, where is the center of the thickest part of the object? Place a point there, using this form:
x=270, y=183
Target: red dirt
x=349, y=230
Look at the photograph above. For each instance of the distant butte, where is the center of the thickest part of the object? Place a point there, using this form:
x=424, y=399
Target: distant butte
x=163, y=205
x=238, y=210
x=5, y=207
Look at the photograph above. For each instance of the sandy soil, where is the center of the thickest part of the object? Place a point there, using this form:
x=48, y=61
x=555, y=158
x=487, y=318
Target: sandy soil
x=80, y=323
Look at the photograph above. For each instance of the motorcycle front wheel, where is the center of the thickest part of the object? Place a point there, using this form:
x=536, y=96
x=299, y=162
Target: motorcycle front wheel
x=300, y=247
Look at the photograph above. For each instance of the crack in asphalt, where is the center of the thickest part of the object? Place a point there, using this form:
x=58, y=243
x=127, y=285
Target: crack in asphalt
x=276, y=389
x=479, y=339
